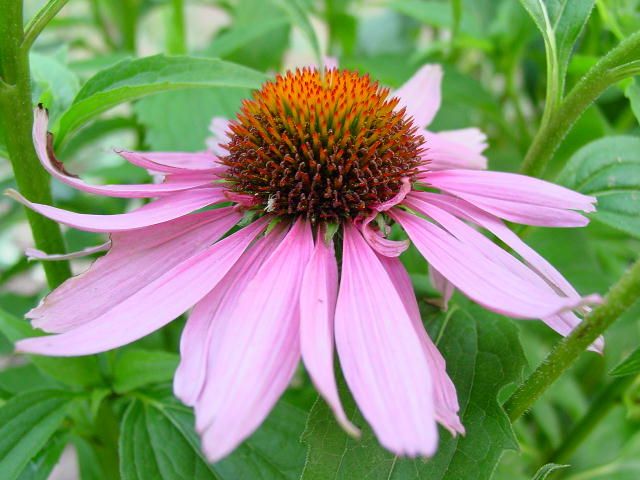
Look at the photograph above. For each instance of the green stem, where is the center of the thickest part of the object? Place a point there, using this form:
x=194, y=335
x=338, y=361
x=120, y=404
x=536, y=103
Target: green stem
x=176, y=42
x=39, y=21
x=619, y=63
x=16, y=111
x=599, y=408
x=621, y=296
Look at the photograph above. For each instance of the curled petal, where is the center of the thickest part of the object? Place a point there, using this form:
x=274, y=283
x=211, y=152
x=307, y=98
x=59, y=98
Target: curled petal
x=35, y=254
x=159, y=211
x=43, y=143
x=444, y=286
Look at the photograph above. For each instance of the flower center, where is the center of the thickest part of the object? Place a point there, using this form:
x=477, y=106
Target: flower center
x=327, y=147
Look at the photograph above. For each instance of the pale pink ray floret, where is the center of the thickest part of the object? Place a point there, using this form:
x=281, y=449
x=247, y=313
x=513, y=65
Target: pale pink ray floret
x=266, y=290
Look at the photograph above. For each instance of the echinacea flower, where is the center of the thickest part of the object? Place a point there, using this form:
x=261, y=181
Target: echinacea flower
x=312, y=173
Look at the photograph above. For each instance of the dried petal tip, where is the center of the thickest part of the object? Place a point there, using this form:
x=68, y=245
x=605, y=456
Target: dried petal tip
x=325, y=147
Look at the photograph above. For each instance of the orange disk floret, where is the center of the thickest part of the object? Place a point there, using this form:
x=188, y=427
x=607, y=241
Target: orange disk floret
x=327, y=147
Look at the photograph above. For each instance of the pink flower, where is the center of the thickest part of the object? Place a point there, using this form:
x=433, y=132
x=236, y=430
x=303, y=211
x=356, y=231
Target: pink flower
x=312, y=162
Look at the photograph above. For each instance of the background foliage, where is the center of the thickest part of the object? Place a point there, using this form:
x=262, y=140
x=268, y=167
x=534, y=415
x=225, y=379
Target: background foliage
x=108, y=72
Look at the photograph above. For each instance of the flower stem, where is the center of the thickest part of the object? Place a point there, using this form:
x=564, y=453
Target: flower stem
x=16, y=112
x=621, y=62
x=621, y=296
x=176, y=42
x=599, y=408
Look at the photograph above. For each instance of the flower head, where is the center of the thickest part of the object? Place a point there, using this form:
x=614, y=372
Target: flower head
x=316, y=163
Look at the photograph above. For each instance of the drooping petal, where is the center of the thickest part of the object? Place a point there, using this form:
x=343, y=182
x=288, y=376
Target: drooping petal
x=201, y=331
x=444, y=286
x=173, y=162
x=318, y=295
x=515, y=197
x=44, y=149
x=445, y=396
x=563, y=322
x=421, y=94
x=135, y=259
x=490, y=279
x=153, y=306
x=455, y=149
x=35, y=254
x=218, y=127
x=162, y=210
x=381, y=355
x=256, y=350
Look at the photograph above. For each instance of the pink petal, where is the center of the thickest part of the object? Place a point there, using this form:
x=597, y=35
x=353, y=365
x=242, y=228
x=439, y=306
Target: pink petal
x=421, y=94
x=159, y=211
x=444, y=286
x=445, y=396
x=218, y=127
x=257, y=349
x=40, y=141
x=35, y=254
x=153, y=306
x=455, y=149
x=148, y=252
x=381, y=355
x=542, y=267
x=201, y=331
x=515, y=197
x=317, y=307
x=173, y=162
x=484, y=274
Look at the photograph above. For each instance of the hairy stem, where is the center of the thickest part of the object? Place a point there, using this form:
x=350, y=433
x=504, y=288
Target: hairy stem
x=599, y=408
x=621, y=296
x=621, y=62
x=16, y=113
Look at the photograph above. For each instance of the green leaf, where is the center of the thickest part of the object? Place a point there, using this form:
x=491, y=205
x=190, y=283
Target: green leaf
x=609, y=169
x=546, y=470
x=78, y=371
x=561, y=22
x=43, y=463
x=136, y=368
x=132, y=79
x=273, y=452
x=629, y=366
x=24, y=378
x=632, y=92
x=53, y=83
x=180, y=120
x=27, y=421
x=483, y=355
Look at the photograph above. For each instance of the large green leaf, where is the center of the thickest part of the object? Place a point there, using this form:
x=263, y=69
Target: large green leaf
x=273, y=452
x=136, y=368
x=27, y=421
x=180, y=120
x=78, y=371
x=483, y=355
x=132, y=79
x=560, y=22
x=609, y=169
